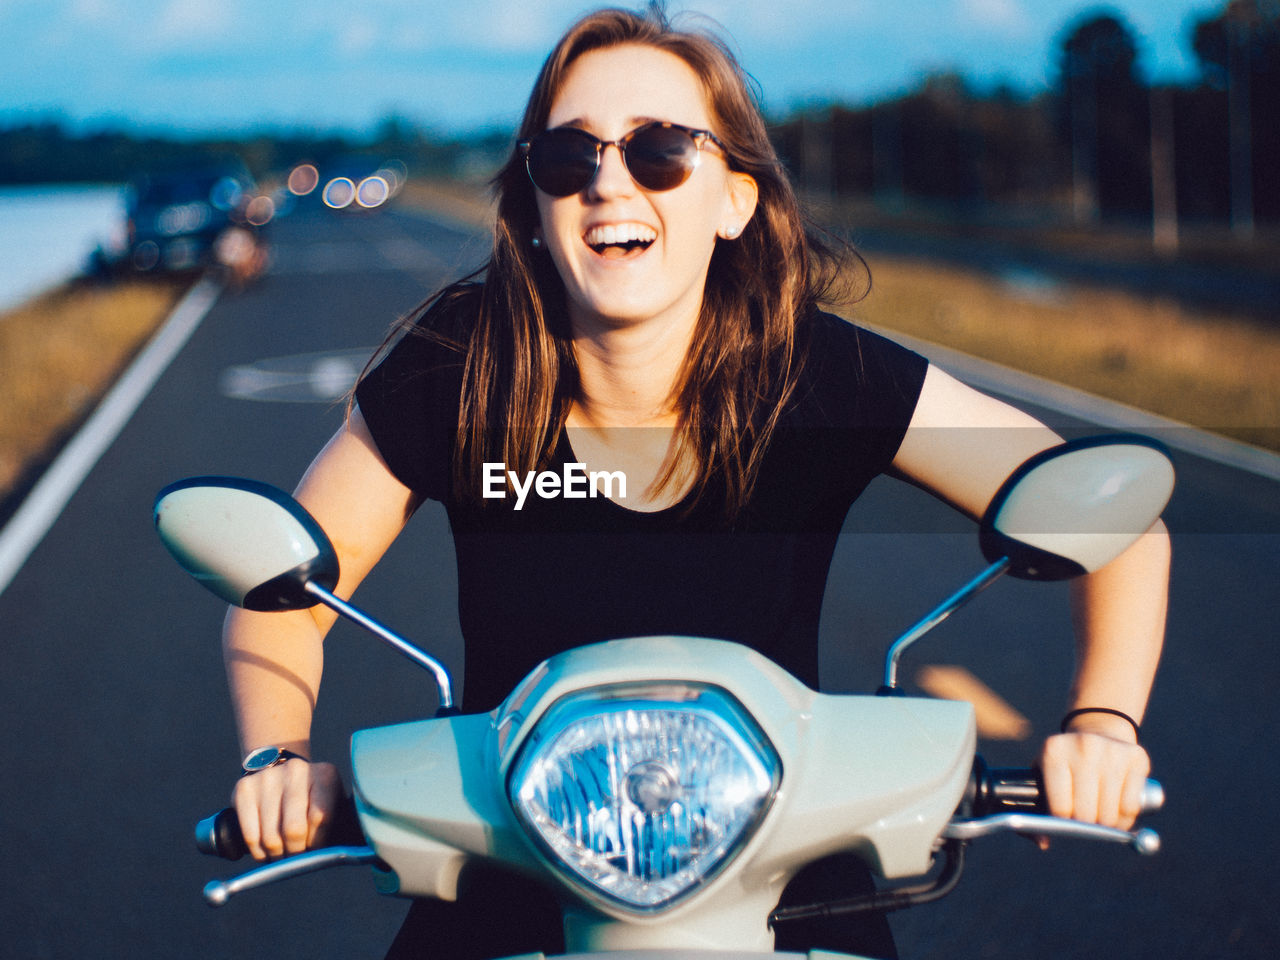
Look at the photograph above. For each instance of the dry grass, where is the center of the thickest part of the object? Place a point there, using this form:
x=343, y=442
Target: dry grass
x=60, y=352
x=1215, y=371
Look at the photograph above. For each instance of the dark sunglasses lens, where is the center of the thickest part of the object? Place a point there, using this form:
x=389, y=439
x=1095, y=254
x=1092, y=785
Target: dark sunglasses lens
x=661, y=158
x=562, y=162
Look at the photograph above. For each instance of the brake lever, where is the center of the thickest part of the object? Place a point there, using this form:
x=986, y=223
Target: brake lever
x=218, y=892
x=1144, y=841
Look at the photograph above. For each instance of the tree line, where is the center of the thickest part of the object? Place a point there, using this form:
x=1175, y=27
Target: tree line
x=46, y=152
x=1102, y=144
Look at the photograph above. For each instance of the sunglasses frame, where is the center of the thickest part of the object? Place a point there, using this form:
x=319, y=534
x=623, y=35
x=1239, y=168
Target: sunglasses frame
x=698, y=138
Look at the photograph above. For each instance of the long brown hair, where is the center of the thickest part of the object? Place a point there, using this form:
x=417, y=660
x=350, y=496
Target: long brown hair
x=520, y=374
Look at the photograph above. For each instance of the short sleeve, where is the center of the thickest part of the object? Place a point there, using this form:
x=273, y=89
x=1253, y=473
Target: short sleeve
x=890, y=378
x=410, y=402
x=866, y=384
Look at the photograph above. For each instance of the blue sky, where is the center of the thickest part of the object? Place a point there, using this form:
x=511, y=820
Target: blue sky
x=198, y=65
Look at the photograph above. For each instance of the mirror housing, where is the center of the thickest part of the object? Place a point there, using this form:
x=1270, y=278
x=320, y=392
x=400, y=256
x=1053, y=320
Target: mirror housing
x=1075, y=507
x=256, y=547
x=1066, y=511
x=250, y=543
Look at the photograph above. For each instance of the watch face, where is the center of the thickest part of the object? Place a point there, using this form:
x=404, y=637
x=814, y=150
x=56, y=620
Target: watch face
x=261, y=758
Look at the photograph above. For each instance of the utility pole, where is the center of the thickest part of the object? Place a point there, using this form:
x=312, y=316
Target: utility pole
x=1164, y=186
x=1084, y=141
x=888, y=184
x=1240, y=121
x=818, y=151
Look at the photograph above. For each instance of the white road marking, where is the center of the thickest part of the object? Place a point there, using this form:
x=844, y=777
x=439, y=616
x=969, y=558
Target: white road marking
x=46, y=501
x=303, y=378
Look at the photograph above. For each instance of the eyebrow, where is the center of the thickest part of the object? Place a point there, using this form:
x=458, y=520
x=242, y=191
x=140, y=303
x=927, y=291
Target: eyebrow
x=632, y=123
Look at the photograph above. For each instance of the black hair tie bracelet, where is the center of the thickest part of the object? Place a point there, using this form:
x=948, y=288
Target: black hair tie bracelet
x=1137, y=731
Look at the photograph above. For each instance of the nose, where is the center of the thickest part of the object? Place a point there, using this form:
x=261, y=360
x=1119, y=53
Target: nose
x=611, y=179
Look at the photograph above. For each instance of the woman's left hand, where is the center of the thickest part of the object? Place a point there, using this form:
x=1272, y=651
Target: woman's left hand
x=1094, y=776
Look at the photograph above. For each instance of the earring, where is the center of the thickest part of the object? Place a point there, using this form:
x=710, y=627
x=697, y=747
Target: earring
x=730, y=233
x=536, y=242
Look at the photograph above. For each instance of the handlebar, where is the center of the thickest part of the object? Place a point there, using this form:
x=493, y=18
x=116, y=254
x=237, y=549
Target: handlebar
x=996, y=801
x=995, y=790
x=1013, y=800
x=220, y=835
x=992, y=791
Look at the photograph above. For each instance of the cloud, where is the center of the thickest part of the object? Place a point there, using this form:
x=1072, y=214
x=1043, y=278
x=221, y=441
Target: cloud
x=1005, y=16
x=359, y=36
x=199, y=21
x=530, y=27
x=94, y=11
x=792, y=24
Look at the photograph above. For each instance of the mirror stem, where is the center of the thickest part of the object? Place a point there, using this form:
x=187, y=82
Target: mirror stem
x=443, y=682
x=935, y=617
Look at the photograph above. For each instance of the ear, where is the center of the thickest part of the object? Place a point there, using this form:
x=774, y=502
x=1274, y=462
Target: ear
x=740, y=203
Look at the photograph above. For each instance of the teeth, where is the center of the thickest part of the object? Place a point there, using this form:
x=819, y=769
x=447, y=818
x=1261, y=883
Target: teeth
x=609, y=234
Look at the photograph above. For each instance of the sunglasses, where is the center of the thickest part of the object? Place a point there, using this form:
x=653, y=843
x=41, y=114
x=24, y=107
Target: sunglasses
x=659, y=156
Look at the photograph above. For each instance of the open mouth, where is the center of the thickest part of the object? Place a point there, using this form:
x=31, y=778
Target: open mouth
x=617, y=241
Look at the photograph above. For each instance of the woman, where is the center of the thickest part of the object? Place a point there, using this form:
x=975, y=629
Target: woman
x=649, y=311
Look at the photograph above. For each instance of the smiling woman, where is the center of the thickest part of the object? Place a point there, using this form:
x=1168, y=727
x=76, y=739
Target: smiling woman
x=650, y=311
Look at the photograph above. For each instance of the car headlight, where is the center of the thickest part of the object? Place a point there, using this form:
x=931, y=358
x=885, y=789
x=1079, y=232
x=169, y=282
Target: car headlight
x=338, y=193
x=372, y=192
x=640, y=793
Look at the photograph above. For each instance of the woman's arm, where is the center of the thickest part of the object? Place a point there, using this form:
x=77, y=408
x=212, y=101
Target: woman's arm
x=274, y=660
x=1096, y=771
x=960, y=446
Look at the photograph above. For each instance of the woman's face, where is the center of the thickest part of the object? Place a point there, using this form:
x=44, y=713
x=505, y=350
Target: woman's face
x=609, y=93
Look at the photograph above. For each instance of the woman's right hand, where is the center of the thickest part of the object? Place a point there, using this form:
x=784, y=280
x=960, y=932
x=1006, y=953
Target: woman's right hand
x=287, y=808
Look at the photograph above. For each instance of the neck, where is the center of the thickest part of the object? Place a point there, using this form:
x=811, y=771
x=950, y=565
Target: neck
x=627, y=374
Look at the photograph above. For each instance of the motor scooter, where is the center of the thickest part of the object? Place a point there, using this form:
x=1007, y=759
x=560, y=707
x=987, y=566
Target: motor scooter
x=670, y=787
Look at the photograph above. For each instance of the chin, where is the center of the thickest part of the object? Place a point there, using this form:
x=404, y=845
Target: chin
x=615, y=315
x=617, y=310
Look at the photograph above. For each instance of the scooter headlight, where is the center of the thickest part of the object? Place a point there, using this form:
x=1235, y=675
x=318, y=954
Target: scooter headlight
x=642, y=792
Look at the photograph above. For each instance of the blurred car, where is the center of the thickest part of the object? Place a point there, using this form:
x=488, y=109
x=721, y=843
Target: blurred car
x=195, y=218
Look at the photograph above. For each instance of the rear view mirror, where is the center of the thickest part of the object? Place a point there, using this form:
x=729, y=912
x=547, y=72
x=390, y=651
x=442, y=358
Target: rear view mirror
x=250, y=543
x=1074, y=508
x=256, y=547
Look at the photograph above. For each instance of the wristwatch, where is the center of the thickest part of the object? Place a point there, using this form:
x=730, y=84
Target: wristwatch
x=265, y=757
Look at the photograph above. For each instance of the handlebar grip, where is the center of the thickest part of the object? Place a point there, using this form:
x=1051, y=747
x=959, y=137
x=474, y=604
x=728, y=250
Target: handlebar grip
x=1019, y=790
x=1152, y=796
x=1011, y=790
x=220, y=835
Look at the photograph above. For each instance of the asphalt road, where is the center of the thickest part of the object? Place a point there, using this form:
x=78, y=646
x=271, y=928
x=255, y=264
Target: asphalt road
x=119, y=736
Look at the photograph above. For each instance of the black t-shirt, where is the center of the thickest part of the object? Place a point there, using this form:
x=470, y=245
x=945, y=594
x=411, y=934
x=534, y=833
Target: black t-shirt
x=560, y=572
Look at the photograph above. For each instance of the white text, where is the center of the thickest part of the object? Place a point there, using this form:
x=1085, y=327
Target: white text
x=572, y=483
